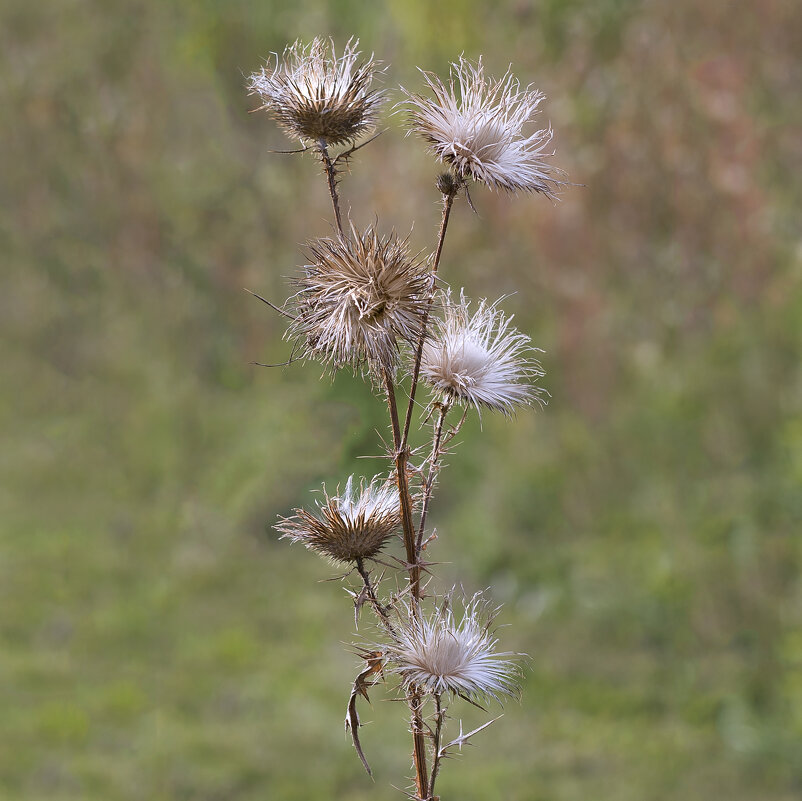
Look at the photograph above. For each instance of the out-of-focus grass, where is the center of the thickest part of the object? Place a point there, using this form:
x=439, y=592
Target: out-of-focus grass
x=643, y=531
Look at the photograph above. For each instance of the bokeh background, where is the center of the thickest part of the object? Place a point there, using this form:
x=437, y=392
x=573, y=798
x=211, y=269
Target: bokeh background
x=159, y=643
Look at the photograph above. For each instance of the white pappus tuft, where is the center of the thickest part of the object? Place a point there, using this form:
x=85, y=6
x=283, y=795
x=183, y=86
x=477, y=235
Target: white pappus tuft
x=479, y=359
x=475, y=123
x=440, y=654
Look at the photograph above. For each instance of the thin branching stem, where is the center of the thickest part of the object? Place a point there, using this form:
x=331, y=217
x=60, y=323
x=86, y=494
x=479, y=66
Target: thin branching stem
x=428, y=484
x=381, y=611
x=331, y=177
x=415, y=701
x=439, y=715
x=448, y=202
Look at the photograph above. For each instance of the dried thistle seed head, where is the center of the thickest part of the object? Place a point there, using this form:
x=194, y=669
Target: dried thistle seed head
x=480, y=359
x=475, y=124
x=439, y=654
x=359, y=297
x=316, y=96
x=353, y=525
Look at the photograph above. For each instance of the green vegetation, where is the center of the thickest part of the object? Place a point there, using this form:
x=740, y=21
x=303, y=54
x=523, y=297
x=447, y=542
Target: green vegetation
x=157, y=642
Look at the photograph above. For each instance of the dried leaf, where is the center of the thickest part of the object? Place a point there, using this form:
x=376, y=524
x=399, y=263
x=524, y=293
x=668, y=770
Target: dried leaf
x=361, y=685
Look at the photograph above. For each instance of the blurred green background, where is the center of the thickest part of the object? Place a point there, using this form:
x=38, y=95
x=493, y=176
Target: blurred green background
x=642, y=531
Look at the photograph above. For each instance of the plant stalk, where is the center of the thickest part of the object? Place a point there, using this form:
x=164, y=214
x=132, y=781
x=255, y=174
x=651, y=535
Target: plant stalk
x=429, y=483
x=381, y=612
x=414, y=697
x=401, y=457
x=448, y=202
x=415, y=701
x=331, y=176
x=439, y=713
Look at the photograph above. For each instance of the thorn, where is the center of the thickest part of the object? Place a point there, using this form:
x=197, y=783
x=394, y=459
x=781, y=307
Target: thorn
x=286, y=152
x=272, y=305
x=280, y=364
x=346, y=154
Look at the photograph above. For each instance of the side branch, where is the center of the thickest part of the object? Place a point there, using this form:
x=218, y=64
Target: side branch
x=380, y=610
x=428, y=484
x=439, y=714
x=448, y=201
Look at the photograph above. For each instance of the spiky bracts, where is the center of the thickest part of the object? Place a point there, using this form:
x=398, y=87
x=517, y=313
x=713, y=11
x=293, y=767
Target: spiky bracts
x=480, y=359
x=359, y=299
x=439, y=653
x=476, y=124
x=352, y=526
x=317, y=96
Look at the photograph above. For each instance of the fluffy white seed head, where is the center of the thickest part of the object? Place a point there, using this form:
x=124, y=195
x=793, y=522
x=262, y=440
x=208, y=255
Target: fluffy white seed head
x=359, y=299
x=479, y=359
x=315, y=95
x=353, y=525
x=439, y=653
x=476, y=124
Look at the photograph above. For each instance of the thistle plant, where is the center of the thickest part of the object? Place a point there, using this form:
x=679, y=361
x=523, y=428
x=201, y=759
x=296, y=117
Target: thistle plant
x=364, y=302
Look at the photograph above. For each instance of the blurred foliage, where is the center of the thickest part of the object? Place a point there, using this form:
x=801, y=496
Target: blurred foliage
x=643, y=531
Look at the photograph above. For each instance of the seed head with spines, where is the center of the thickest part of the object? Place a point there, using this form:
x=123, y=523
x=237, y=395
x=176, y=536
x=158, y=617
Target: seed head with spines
x=316, y=96
x=351, y=526
x=475, y=123
x=359, y=298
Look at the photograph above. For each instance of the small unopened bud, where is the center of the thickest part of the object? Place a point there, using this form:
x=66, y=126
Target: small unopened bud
x=447, y=184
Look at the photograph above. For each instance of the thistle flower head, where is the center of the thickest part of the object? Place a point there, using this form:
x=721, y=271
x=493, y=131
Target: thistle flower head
x=440, y=654
x=475, y=123
x=358, y=298
x=480, y=359
x=315, y=95
x=354, y=525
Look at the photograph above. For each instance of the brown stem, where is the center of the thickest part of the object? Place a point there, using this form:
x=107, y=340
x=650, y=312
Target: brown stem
x=448, y=201
x=429, y=483
x=331, y=175
x=415, y=701
x=414, y=697
x=401, y=455
x=438, y=732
